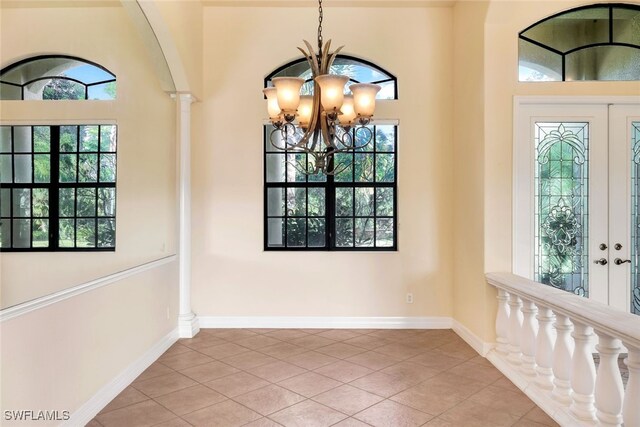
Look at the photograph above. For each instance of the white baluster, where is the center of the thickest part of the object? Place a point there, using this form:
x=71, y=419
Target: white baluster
x=583, y=373
x=528, y=339
x=631, y=408
x=515, y=329
x=544, y=349
x=502, y=323
x=562, y=352
x=609, y=389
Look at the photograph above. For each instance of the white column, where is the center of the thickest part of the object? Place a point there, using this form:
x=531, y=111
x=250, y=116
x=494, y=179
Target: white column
x=515, y=329
x=609, y=389
x=528, y=339
x=187, y=321
x=631, y=408
x=562, y=353
x=544, y=349
x=583, y=373
x=502, y=323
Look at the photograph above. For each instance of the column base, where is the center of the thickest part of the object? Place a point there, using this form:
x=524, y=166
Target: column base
x=188, y=325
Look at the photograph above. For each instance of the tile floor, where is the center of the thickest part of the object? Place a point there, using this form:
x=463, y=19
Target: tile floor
x=315, y=377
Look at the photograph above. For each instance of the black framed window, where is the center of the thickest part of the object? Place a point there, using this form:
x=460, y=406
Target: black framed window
x=354, y=210
x=58, y=188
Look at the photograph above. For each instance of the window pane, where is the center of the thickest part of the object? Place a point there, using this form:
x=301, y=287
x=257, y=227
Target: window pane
x=537, y=64
x=68, y=139
x=364, y=232
x=635, y=218
x=5, y=233
x=296, y=232
x=5, y=202
x=21, y=202
x=88, y=168
x=384, y=202
x=108, y=138
x=296, y=202
x=105, y=91
x=23, y=169
x=106, y=233
x=68, y=167
x=67, y=233
x=6, y=168
x=344, y=167
x=296, y=164
x=86, y=202
x=364, y=167
x=88, y=138
x=107, y=168
x=385, y=138
x=5, y=139
x=344, y=232
x=57, y=89
x=275, y=202
x=22, y=139
x=344, y=201
x=86, y=233
x=364, y=201
x=40, y=202
x=275, y=232
x=40, y=233
x=604, y=63
x=21, y=233
x=41, y=170
x=41, y=139
x=316, y=232
x=384, y=232
x=67, y=202
x=10, y=92
x=275, y=167
x=316, y=201
x=106, y=202
x=625, y=27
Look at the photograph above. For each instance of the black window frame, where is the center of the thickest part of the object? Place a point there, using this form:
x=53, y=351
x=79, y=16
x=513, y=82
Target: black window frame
x=54, y=187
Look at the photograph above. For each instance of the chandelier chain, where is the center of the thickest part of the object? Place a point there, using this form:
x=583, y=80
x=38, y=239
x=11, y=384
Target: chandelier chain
x=320, y=16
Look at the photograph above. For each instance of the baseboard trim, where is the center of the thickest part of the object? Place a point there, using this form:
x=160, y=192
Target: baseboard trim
x=114, y=387
x=472, y=339
x=35, y=304
x=309, y=322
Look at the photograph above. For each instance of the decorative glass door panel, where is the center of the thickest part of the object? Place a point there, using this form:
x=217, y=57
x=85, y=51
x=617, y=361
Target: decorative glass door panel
x=635, y=218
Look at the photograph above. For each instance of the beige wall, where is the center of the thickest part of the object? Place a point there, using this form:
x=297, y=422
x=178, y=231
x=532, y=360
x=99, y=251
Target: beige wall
x=232, y=275
x=145, y=116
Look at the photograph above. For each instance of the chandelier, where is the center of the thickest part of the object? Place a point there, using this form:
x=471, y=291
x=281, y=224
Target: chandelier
x=325, y=123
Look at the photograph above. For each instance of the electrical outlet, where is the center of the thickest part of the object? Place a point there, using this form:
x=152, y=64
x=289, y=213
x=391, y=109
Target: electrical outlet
x=409, y=298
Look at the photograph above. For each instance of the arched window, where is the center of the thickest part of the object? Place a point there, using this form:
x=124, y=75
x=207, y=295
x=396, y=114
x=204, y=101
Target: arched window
x=596, y=42
x=55, y=78
x=358, y=70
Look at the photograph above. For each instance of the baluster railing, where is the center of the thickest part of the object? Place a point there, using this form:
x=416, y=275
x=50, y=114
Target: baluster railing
x=567, y=385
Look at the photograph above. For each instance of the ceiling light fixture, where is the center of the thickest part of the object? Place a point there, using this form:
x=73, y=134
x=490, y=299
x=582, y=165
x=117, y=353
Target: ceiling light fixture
x=325, y=123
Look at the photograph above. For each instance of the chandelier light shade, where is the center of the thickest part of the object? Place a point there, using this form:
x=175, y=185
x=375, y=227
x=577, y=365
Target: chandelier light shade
x=325, y=123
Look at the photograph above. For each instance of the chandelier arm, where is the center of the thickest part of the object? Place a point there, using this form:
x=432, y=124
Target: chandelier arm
x=324, y=57
x=333, y=57
x=312, y=59
x=348, y=141
x=335, y=171
x=366, y=131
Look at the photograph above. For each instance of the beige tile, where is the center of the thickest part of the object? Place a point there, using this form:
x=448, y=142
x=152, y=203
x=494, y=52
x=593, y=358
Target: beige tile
x=471, y=414
x=499, y=399
x=141, y=414
x=93, y=423
x=481, y=373
x=344, y=371
x=409, y=370
x=341, y=350
x=269, y=399
x=175, y=349
x=176, y=422
x=282, y=350
x=127, y=397
x=338, y=334
x=528, y=423
x=223, y=350
x=263, y=422
x=394, y=334
x=307, y=414
x=236, y=384
x=373, y=360
x=314, y=331
x=481, y=361
x=438, y=361
x=399, y=351
x=312, y=342
x=348, y=399
x=276, y=371
x=164, y=384
x=382, y=384
x=287, y=334
x=367, y=341
x=309, y=384
x=506, y=384
x=351, y=422
x=224, y=414
x=257, y=342
x=539, y=416
x=439, y=422
x=311, y=360
x=463, y=385
x=186, y=360
x=209, y=371
x=235, y=334
x=201, y=341
x=261, y=330
x=155, y=370
x=431, y=399
x=460, y=350
x=248, y=360
x=392, y=414
x=190, y=399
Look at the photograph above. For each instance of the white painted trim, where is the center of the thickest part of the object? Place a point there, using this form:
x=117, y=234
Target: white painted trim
x=114, y=387
x=35, y=304
x=71, y=122
x=326, y=322
x=472, y=339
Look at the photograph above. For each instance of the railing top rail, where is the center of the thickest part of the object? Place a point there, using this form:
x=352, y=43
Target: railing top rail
x=601, y=317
